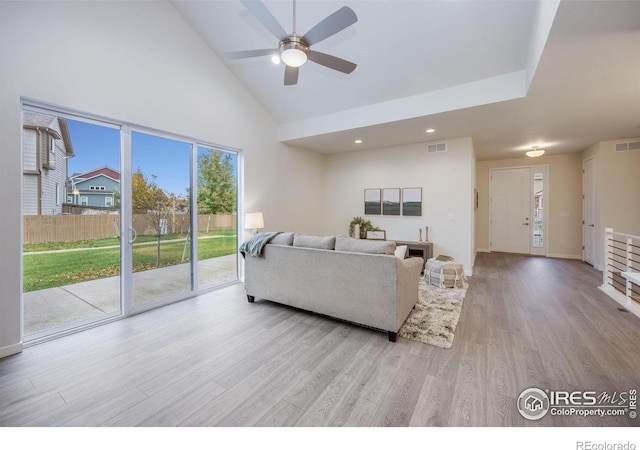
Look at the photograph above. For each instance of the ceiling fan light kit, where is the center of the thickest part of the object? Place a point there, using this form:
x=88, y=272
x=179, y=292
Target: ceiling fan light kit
x=295, y=50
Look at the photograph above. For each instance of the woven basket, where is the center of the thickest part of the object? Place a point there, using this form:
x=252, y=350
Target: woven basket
x=444, y=274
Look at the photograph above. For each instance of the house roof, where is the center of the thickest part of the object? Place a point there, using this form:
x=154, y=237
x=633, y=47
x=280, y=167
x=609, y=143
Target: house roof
x=509, y=74
x=36, y=120
x=106, y=171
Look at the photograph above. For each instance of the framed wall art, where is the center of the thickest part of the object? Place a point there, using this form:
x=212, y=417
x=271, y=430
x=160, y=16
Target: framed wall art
x=412, y=201
x=391, y=202
x=372, y=201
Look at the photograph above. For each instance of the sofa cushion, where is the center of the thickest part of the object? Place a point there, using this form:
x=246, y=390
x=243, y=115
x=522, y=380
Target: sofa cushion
x=347, y=244
x=282, y=239
x=321, y=242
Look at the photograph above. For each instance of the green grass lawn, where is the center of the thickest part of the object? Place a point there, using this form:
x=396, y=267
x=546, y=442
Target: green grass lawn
x=42, y=271
x=115, y=241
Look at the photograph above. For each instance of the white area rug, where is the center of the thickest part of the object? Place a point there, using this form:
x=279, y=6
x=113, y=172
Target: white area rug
x=435, y=316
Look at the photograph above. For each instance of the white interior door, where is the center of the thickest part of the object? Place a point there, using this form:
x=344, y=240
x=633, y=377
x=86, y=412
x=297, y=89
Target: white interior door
x=589, y=217
x=511, y=210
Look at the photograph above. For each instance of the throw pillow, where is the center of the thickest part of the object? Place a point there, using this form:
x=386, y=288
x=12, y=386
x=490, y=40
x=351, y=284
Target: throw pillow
x=321, y=242
x=347, y=244
x=282, y=239
x=401, y=251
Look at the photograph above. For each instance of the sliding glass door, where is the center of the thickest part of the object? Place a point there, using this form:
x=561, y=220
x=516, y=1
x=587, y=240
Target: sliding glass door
x=110, y=225
x=71, y=222
x=217, y=205
x=161, y=218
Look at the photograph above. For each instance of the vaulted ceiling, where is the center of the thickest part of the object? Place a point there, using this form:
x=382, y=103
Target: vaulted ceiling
x=509, y=74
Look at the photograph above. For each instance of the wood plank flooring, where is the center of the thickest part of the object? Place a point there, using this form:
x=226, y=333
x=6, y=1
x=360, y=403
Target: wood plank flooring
x=218, y=360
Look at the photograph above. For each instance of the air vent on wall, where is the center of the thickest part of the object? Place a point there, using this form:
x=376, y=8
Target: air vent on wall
x=627, y=146
x=435, y=148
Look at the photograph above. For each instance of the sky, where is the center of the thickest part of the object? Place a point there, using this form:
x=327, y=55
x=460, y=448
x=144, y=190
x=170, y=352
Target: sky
x=97, y=146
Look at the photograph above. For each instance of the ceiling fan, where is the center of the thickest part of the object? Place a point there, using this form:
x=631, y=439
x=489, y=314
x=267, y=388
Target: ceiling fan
x=294, y=50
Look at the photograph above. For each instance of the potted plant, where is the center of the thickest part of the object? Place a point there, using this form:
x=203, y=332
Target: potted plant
x=365, y=225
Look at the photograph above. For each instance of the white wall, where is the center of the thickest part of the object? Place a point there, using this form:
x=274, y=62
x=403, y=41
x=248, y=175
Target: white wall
x=617, y=187
x=138, y=62
x=447, y=182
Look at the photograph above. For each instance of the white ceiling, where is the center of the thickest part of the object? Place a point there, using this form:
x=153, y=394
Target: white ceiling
x=491, y=70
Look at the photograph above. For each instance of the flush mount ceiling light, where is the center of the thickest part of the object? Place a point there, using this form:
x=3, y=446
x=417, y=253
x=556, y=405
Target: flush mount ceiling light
x=535, y=152
x=431, y=130
x=358, y=141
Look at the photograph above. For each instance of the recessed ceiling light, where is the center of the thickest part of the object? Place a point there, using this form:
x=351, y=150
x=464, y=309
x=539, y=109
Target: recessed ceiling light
x=431, y=130
x=358, y=141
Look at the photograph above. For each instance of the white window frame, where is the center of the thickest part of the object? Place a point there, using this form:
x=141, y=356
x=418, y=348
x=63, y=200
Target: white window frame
x=125, y=128
x=52, y=152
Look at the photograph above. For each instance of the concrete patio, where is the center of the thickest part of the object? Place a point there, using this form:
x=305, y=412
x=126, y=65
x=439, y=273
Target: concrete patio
x=65, y=305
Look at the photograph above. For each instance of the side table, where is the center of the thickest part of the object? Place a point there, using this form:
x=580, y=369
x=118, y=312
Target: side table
x=421, y=249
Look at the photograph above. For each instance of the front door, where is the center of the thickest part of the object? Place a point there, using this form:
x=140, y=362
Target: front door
x=511, y=210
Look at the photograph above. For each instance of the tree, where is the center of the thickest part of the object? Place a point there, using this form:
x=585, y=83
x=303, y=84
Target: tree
x=151, y=199
x=216, y=184
x=146, y=193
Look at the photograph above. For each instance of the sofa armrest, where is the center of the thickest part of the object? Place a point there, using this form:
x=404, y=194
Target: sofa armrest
x=408, y=277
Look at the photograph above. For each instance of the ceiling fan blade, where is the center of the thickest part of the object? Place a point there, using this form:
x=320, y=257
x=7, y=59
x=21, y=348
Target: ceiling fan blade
x=264, y=16
x=331, y=25
x=332, y=62
x=291, y=75
x=250, y=53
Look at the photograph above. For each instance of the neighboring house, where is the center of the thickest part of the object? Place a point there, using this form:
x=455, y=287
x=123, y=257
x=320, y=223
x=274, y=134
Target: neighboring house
x=97, y=188
x=46, y=147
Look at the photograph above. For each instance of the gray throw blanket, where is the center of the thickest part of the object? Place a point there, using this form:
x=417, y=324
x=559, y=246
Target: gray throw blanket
x=256, y=243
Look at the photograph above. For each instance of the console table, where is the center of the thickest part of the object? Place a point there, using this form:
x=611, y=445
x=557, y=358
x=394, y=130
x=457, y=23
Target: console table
x=421, y=249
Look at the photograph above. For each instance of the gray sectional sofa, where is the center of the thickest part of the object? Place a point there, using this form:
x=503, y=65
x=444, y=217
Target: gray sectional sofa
x=359, y=281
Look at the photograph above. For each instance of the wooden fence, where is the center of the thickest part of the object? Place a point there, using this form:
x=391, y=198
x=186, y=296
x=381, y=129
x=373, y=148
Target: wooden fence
x=74, y=227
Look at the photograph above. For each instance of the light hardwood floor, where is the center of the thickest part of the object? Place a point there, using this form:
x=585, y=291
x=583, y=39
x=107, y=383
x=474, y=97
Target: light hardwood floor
x=218, y=360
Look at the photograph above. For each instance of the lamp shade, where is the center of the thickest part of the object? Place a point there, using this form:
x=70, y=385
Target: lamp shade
x=253, y=221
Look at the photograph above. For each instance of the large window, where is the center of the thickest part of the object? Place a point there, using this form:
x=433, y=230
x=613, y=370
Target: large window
x=131, y=236
x=217, y=205
x=71, y=256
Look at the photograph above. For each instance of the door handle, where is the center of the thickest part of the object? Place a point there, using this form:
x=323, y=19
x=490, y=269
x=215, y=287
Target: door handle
x=526, y=223
x=134, y=235
x=592, y=225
